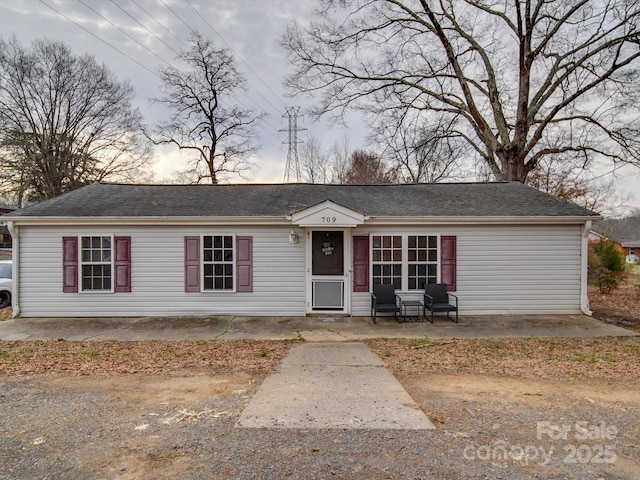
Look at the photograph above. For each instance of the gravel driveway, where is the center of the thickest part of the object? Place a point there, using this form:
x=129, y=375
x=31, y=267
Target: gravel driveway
x=183, y=426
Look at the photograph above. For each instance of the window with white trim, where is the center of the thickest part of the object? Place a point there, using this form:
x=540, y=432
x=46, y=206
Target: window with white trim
x=387, y=260
x=217, y=262
x=422, y=260
x=408, y=262
x=96, y=263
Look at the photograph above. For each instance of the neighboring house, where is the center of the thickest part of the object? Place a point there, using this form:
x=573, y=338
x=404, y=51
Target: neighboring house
x=631, y=249
x=296, y=249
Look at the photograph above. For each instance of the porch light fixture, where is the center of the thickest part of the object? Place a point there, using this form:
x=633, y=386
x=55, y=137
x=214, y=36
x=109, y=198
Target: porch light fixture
x=293, y=237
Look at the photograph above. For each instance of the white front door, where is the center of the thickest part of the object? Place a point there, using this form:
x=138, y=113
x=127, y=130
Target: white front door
x=327, y=255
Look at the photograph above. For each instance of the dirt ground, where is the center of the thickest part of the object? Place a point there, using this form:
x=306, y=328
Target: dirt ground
x=586, y=427
x=182, y=426
x=521, y=408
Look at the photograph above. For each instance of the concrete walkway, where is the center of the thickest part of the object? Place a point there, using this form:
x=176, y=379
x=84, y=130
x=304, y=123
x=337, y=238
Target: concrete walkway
x=322, y=329
x=333, y=385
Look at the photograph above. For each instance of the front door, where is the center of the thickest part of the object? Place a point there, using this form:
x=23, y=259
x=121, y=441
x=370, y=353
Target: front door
x=328, y=277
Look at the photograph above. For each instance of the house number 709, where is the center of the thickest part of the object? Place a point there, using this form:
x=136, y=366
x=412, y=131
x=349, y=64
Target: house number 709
x=329, y=219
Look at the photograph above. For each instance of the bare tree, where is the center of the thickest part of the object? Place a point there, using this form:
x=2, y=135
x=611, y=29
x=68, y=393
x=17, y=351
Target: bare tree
x=339, y=159
x=366, y=168
x=575, y=184
x=314, y=164
x=530, y=78
x=64, y=121
x=417, y=151
x=205, y=118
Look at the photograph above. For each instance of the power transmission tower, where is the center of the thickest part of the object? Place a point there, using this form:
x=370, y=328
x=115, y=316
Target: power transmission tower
x=292, y=169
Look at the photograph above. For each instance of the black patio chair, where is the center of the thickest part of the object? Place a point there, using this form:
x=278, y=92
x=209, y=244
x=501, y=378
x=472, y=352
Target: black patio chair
x=384, y=299
x=436, y=299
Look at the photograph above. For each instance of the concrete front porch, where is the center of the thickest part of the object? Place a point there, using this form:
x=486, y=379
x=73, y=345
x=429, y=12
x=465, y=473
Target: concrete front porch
x=308, y=328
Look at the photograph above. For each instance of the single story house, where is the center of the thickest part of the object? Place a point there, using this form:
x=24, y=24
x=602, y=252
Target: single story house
x=296, y=249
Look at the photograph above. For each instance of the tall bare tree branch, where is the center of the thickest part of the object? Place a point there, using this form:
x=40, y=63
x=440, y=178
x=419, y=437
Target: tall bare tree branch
x=64, y=121
x=417, y=151
x=204, y=118
x=529, y=78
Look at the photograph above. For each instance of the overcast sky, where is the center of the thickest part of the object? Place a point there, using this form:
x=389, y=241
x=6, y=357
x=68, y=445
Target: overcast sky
x=134, y=38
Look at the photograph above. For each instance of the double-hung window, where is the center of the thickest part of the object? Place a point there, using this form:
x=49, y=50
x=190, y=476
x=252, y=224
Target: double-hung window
x=422, y=260
x=408, y=262
x=96, y=263
x=218, y=262
x=387, y=259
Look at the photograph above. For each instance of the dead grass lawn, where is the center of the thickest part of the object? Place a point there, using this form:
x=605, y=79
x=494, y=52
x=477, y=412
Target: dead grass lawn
x=620, y=307
x=607, y=358
x=612, y=359
x=151, y=357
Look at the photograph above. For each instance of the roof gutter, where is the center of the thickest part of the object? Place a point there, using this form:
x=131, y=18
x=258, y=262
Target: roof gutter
x=150, y=221
x=488, y=220
x=283, y=220
x=15, y=259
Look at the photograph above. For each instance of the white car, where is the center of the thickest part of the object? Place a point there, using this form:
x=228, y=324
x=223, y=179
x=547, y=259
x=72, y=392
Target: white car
x=6, y=268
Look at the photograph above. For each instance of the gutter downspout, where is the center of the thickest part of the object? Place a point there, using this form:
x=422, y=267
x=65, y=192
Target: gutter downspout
x=584, y=269
x=15, y=258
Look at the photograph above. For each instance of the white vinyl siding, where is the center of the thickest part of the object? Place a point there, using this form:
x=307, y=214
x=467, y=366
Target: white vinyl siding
x=507, y=269
x=157, y=279
x=521, y=270
x=500, y=270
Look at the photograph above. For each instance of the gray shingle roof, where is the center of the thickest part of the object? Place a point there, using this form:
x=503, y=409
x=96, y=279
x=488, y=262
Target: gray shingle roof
x=502, y=199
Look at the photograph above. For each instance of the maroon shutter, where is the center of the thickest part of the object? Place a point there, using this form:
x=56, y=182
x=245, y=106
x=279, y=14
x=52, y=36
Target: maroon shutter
x=244, y=264
x=191, y=264
x=361, y=263
x=122, y=277
x=448, y=262
x=70, y=264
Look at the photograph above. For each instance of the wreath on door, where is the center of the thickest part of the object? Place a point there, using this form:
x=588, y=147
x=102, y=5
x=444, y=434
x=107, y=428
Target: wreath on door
x=328, y=248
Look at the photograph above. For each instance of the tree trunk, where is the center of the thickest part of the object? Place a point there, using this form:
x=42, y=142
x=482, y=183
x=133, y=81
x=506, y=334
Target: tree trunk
x=211, y=163
x=512, y=164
